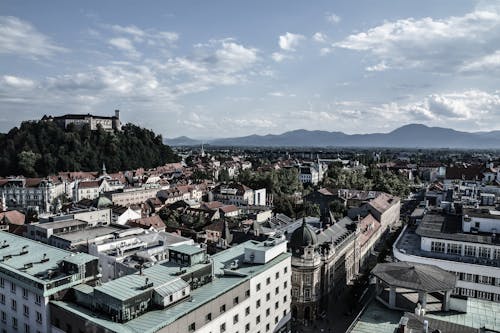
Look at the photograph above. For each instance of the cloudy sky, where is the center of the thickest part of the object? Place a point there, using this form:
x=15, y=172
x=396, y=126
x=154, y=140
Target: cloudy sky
x=228, y=68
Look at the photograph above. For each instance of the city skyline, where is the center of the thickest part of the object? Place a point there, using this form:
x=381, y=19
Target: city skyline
x=226, y=69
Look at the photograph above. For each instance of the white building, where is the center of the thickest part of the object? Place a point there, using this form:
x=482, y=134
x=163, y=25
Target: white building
x=464, y=244
x=32, y=273
x=243, y=289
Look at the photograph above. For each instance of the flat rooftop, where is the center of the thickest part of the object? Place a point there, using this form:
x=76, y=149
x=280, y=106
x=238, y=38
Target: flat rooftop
x=11, y=259
x=61, y=224
x=450, y=227
x=160, y=274
x=378, y=319
x=87, y=234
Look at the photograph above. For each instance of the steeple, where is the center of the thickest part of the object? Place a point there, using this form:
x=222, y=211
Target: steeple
x=202, y=150
x=103, y=169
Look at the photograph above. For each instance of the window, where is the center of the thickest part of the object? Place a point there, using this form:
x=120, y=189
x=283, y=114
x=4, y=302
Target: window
x=235, y=300
x=277, y=275
x=26, y=328
x=192, y=327
x=208, y=317
x=14, y=305
x=307, y=278
x=26, y=310
x=467, y=277
x=223, y=308
x=285, y=270
x=295, y=292
x=258, y=286
x=484, y=279
x=268, y=311
x=38, y=317
x=277, y=290
x=285, y=284
x=268, y=296
x=267, y=327
x=2, y=283
x=13, y=287
x=235, y=319
x=257, y=304
x=454, y=249
x=222, y=327
x=14, y=322
x=247, y=327
x=247, y=293
x=268, y=280
x=470, y=251
x=484, y=252
x=38, y=299
x=284, y=299
x=2, y=298
x=276, y=320
x=257, y=320
x=437, y=247
x=247, y=311
x=496, y=254
x=276, y=305
x=4, y=317
x=25, y=293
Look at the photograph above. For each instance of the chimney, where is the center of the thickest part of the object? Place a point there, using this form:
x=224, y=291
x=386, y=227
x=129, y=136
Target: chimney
x=117, y=114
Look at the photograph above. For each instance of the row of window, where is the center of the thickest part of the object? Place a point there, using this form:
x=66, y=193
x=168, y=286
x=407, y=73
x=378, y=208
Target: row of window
x=468, y=250
x=478, y=279
x=477, y=294
x=13, y=290
x=14, y=322
x=26, y=309
x=222, y=327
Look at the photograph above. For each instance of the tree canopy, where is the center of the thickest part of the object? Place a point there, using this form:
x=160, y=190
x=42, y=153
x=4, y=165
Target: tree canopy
x=40, y=148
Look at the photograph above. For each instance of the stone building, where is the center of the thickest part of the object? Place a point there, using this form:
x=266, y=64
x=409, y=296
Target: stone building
x=107, y=123
x=324, y=261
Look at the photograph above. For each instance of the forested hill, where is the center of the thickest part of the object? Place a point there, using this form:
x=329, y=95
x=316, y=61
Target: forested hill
x=40, y=148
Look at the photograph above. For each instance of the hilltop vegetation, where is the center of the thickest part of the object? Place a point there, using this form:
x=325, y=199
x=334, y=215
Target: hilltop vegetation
x=39, y=148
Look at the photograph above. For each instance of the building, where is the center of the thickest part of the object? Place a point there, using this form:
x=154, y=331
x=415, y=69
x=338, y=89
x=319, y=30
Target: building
x=132, y=249
x=30, y=193
x=464, y=243
x=243, y=289
x=239, y=195
x=107, y=123
x=133, y=195
x=324, y=260
x=32, y=274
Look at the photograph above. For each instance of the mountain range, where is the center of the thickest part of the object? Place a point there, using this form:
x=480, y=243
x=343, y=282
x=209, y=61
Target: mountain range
x=408, y=136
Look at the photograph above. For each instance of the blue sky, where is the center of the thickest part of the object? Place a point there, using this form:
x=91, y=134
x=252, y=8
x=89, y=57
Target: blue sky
x=228, y=68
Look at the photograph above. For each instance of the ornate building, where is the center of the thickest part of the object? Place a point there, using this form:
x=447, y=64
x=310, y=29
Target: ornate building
x=323, y=262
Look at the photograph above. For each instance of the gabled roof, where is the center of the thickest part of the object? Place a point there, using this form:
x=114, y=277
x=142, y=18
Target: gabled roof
x=12, y=217
x=152, y=221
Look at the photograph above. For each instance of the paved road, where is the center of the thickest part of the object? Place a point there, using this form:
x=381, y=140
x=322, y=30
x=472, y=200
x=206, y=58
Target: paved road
x=337, y=319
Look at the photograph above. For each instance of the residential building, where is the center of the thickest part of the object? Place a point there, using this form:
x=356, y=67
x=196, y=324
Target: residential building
x=30, y=193
x=239, y=195
x=243, y=289
x=32, y=274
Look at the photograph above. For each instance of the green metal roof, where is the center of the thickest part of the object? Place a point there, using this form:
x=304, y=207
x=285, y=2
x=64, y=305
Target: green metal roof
x=153, y=321
x=186, y=249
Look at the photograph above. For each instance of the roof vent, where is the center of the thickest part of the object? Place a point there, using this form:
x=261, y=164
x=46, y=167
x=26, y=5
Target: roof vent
x=24, y=250
x=44, y=259
x=4, y=244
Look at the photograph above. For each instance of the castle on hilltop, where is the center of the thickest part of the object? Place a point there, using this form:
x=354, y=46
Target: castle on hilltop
x=107, y=123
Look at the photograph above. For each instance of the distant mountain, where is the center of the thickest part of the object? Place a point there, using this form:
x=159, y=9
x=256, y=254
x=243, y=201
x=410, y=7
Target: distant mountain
x=181, y=141
x=408, y=136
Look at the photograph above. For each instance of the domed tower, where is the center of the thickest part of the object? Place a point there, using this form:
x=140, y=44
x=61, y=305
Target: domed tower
x=301, y=238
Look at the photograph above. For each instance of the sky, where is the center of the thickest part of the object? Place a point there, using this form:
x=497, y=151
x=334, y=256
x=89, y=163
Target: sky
x=209, y=69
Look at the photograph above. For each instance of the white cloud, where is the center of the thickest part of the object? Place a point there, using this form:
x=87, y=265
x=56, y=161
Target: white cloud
x=320, y=37
x=433, y=44
x=289, y=41
x=490, y=62
x=125, y=45
x=380, y=67
x=279, y=57
x=130, y=30
x=232, y=57
x=21, y=38
x=18, y=82
x=333, y=18
x=325, y=50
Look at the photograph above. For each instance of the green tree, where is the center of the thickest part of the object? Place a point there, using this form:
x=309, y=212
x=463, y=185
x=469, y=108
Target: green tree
x=27, y=161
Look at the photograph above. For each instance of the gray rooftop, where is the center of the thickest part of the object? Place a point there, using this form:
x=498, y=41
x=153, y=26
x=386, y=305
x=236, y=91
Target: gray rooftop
x=24, y=256
x=87, y=234
x=450, y=227
x=415, y=276
x=161, y=274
